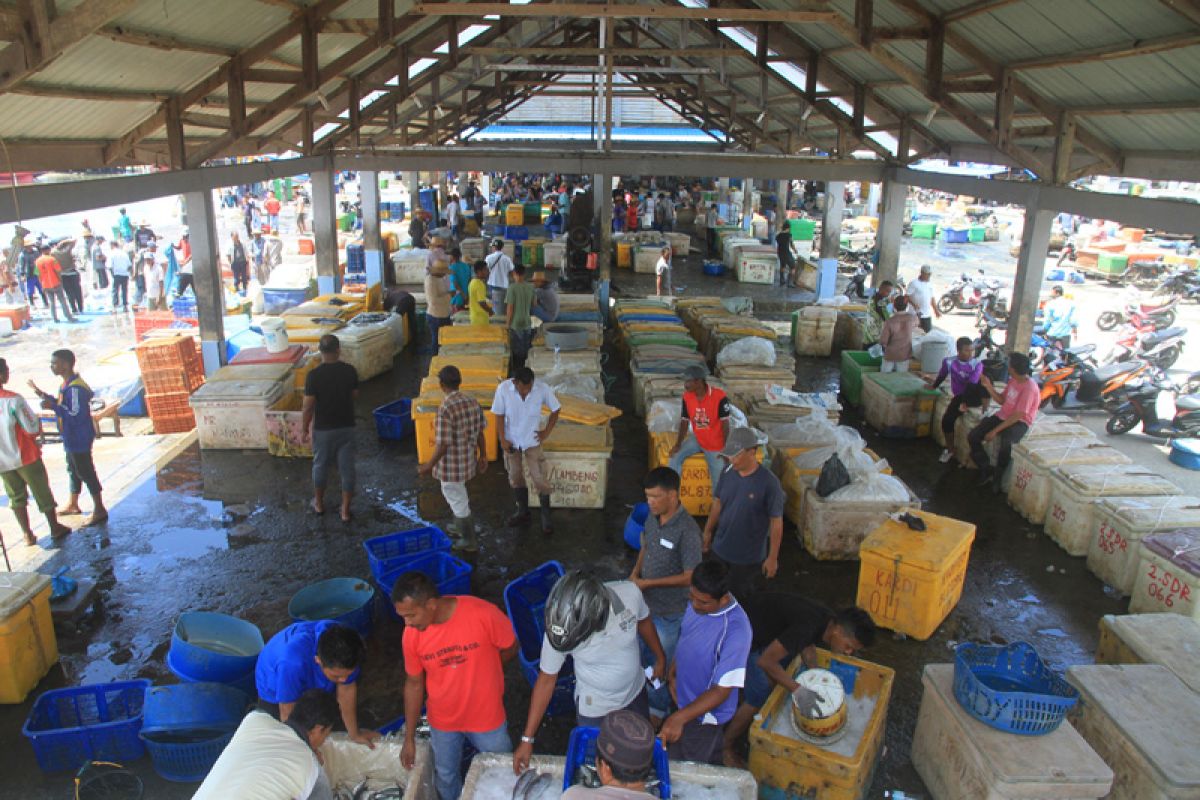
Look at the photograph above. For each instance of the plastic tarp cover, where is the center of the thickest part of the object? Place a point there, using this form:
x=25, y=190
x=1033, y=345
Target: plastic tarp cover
x=348, y=764
x=875, y=487
x=585, y=387
x=855, y=459
x=814, y=431
x=738, y=305
x=663, y=416
x=752, y=350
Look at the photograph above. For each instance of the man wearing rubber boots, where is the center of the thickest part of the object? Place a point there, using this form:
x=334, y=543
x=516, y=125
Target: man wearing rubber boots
x=459, y=454
x=518, y=407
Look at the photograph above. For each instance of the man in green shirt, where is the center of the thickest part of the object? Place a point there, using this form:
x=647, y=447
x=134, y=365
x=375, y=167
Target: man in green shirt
x=518, y=299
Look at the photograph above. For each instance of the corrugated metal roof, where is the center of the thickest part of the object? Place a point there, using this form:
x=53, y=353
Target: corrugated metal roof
x=57, y=118
x=235, y=24
x=102, y=63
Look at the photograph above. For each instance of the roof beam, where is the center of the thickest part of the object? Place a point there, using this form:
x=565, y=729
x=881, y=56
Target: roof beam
x=616, y=52
x=1188, y=9
x=802, y=12
x=289, y=5
x=81, y=93
x=46, y=41
x=1137, y=47
x=976, y=8
x=162, y=41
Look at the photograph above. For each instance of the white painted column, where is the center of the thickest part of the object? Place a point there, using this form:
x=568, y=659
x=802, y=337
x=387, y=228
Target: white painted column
x=206, y=274
x=891, y=229
x=1031, y=264
x=831, y=222
x=368, y=188
x=324, y=205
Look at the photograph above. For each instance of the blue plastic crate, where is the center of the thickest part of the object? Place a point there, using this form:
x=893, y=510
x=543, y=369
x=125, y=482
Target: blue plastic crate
x=356, y=259
x=581, y=749
x=393, y=421
x=525, y=602
x=518, y=233
x=185, y=756
x=386, y=554
x=1010, y=688
x=452, y=575
x=100, y=722
x=276, y=301
x=134, y=406
x=193, y=706
x=956, y=235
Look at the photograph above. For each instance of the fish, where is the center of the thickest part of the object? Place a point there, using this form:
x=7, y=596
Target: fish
x=523, y=783
x=360, y=791
x=587, y=776
x=540, y=788
x=392, y=793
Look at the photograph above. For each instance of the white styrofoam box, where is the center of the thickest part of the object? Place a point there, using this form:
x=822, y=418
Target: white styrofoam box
x=1168, y=577
x=1170, y=640
x=473, y=249
x=646, y=256
x=680, y=243
x=729, y=249
x=1120, y=523
x=410, y=266
x=1045, y=427
x=814, y=337
x=577, y=479
x=231, y=415
x=833, y=530
x=370, y=350
x=1142, y=720
x=959, y=757
x=1074, y=491
x=554, y=254
x=758, y=268
x=939, y=411
x=1029, y=493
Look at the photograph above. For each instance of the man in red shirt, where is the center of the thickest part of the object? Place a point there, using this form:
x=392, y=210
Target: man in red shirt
x=706, y=411
x=455, y=649
x=272, y=207
x=1018, y=410
x=50, y=274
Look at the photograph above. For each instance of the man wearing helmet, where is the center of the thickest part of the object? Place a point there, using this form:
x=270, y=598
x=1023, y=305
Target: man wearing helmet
x=598, y=625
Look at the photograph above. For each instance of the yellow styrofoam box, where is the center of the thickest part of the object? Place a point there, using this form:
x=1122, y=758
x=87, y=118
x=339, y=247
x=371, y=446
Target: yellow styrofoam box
x=430, y=385
x=311, y=334
x=909, y=581
x=1182, y=261
x=472, y=334
x=474, y=366
x=306, y=365
x=695, y=487
x=28, y=647
x=576, y=409
x=1170, y=640
x=514, y=214
x=624, y=255
x=792, y=768
x=425, y=423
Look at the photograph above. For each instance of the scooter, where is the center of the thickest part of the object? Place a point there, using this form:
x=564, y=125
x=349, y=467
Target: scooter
x=856, y=289
x=1042, y=351
x=1139, y=406
x=1100, y=388
x=1183, y=284
x=1138, y=315
x=969, y=293
x=1161, y=348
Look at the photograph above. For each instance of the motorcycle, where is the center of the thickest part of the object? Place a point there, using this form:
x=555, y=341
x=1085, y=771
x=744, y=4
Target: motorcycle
x=850, y=260
x=1161, y=348
x=1138, y=314
x=1183, y=284
x=1141, y=274
x=1080, y=387
x=1139, y=406
x=856, y=289
x=969, y=293
x=1042, y=351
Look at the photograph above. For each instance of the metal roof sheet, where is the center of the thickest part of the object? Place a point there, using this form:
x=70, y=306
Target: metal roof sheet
x=102, y=63
x=27, y=117
x=207, y=21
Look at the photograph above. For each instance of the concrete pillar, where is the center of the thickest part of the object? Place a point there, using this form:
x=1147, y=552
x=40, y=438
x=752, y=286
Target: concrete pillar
x=413, y=181
x=1031, y=263
x=891, y=227
x=873, y=200
x=747, y=202
x=464, y=179
x=831, y=222
x=601, y=186
x=373, y=251
x=324, y=204
x=206, y=273
x=605, y=203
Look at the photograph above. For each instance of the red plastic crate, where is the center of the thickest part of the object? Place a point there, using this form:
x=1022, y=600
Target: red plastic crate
x=174, y=424
x=168, y=404
x=144, y=321
x=167, y=381
x=174, y=353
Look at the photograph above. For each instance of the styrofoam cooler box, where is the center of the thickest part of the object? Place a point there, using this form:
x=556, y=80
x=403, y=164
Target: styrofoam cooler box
x=646, y=256
x=729, y=249
x=369, y=349
x=897, y=403
x=1075, y=490
x=231, y=415
x=554, y=254
x=814, y=331
x=252, y=372
x=409, y=266
x=394, y=323
x=959, y=757
x=834, y=530
x=1168, y=577
x=1045, y=427
x=1029, y=493
x=1168, y=640
x=962, y=428
x=939, y=410
x=758, y=268
x=1142, y=720
x=1120, y=523
x=680, y=243
x=347, y=764
x=577, y=479
x=474, y=249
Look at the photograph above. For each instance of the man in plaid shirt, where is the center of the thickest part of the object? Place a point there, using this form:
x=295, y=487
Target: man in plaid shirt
x=459, y=453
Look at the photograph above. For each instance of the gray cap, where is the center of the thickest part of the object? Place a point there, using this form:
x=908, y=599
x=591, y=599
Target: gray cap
x=926, y=269
x=695, y=372
x=739, y=439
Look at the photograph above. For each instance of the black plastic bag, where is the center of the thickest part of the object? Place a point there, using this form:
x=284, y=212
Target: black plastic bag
x=834, y=476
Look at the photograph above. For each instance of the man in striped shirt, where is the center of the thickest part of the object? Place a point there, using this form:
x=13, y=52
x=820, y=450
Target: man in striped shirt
x=459, y=454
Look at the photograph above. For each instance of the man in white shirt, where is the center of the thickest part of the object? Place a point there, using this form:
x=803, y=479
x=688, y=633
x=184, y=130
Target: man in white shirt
x=121, y=266
x=920, y=295
x=452, y=215
x=711, y=220
x=499, y=268
x=663, y=270
x=517, y=406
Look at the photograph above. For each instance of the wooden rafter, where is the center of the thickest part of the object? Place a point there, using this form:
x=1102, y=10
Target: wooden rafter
x=1137, y=47
x=1188, y=9
x=799, y=12
x=976, y=8
x=42, y=40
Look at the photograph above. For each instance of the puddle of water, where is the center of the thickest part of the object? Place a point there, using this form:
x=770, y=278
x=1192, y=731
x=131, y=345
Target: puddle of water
x=1057, y=633
x=170, y=546
x=1029, y=598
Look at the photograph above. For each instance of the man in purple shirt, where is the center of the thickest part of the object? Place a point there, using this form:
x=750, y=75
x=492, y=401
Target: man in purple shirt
x=709, y=667
x=964, y=371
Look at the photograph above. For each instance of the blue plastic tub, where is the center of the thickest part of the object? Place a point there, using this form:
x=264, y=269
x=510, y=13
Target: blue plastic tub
x=344, y=600
x=207, y=646
x=452, y=575
x=1185, y=453
x=134, y=406
x=68, y=727
x=276, y=301
x=635, y=524
x=393, y=421
x=387, y=553
x=1010, y=688
x=242, y=340
x=581, y=749
x=714, y=268
x=956, y=235
x=185, y=756
x=525, y=602
x=193, y=706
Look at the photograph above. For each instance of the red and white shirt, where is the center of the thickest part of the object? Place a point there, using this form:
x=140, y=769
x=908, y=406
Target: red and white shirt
x=18, y=446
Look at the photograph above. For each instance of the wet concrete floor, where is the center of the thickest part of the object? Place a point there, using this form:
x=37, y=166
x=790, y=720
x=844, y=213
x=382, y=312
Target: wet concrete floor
x=229, y=531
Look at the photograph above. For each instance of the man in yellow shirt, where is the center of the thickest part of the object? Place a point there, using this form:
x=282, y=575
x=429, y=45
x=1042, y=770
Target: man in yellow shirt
x=477, y=296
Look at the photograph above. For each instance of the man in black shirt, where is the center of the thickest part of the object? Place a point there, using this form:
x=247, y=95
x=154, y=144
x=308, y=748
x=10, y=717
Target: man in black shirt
x=329, y=394
x=786, y=625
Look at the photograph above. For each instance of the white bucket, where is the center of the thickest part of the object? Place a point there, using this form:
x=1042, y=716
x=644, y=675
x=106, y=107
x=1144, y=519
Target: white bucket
x=275, y=335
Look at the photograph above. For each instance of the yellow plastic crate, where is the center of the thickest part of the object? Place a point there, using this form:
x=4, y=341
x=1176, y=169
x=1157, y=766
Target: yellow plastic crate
x=909, y=581
x=28, y=647
x=472, y=334
x=514, y=214
x=792, y=769
x=472, y=366
x=624, y=255
x=695, y=488
x=425, y=421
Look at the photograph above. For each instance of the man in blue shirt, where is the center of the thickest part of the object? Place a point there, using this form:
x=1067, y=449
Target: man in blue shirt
x=709, y=667
x=73, y=407
x=313, y=655
x=1061, y=324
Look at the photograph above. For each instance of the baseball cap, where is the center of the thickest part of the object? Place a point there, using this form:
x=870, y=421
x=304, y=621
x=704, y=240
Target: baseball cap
x=739, y=439
x=626, y=740
x=694, y=372
x=926, y=269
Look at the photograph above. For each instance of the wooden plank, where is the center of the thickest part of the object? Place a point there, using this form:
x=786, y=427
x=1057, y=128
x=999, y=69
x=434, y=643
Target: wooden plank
x=1188, y=9
x=616, y=52
x=162, y=41
x=801, y=12
x=79, y=93
x=176, y=150
x=259, y=75
x=19, y=59
x=935, y=50
x=974, y=9
x=1064, y=147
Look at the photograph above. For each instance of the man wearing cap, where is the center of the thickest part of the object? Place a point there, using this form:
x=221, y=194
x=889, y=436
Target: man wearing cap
x=545, y=298
x=437, y=300
x=706, y=409
x=745, y=525
x=624, y=759
x=499, y=267
x=920, y=295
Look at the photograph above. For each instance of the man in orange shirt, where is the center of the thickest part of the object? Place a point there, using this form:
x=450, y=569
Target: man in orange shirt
x=50, y=274
x=455, y=649
x=272, y=207
x=705, y=410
